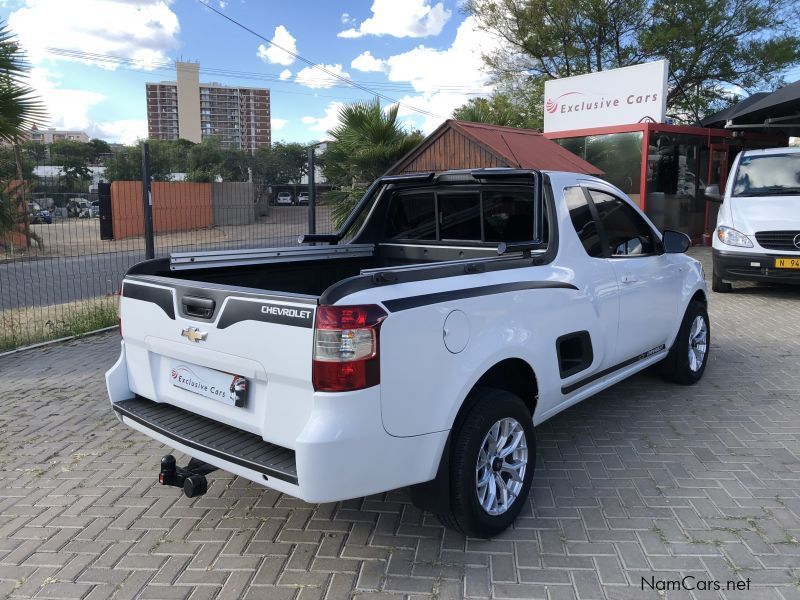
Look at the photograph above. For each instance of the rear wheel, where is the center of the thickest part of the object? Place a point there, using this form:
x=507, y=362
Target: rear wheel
x=493, y=456
x=687, y=359
x=719, y=286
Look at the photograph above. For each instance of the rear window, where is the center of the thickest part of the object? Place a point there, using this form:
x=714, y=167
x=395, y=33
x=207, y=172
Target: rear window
x=490, y=216
x=412, y=216
x=460, y=217
x=768, y=175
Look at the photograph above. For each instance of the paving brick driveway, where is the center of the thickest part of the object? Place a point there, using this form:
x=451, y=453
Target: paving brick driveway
x=644, y=480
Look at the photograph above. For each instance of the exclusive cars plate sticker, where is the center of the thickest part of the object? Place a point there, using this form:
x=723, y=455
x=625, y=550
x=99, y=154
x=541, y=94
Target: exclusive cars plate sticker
x=216, y=385
x=236, y=310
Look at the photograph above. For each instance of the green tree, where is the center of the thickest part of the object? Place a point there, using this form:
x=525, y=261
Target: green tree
x=366, y=142
x=20, y=109
x=499, y=109
x=711, y=45
x=73, y=158
x=166, y=157
x=99, y=147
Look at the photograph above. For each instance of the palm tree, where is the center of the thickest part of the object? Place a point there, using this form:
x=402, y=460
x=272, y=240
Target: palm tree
x=367, y=141
x=20, y=109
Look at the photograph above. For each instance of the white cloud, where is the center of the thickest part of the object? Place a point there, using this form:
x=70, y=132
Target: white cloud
x=285, y=74
x=69, y=108
x=314, y=77
x=66, y=108
x=142, y=30
x=443, y=79
x=326, y=122
x=367, y=63
x=347, y=19
x=409, y=18
x=123, y=131
x=275, y=55
x=278, y=124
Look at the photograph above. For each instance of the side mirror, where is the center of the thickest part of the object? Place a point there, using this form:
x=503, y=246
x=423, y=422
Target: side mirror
x=675, y=242
x=712, y=193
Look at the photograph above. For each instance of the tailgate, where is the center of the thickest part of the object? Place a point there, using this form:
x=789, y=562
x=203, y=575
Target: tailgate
x=200, y=347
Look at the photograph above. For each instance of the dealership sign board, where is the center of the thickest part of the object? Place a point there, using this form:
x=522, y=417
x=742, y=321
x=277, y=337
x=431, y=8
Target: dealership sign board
x=615, y=97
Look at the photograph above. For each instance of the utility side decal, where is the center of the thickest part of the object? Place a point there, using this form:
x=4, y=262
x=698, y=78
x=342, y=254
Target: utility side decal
x=236, y=310
x=161, y=297
x=568, y=389
x=399, y=304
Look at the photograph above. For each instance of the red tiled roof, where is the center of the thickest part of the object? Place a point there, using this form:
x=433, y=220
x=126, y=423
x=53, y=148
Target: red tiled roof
x=524, y=148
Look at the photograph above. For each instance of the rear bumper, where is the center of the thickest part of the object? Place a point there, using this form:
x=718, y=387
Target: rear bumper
x=341, y=452
x=740, y=266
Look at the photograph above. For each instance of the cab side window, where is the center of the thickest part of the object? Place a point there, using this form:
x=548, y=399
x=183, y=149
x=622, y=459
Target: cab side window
x=582, y=220
x=626, y=232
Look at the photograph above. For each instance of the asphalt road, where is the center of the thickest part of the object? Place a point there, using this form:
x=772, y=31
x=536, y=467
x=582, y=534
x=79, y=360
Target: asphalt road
x=45, y=281
x=40, y=282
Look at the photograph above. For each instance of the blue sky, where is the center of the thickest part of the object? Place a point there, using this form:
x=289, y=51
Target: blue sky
x=425, y=53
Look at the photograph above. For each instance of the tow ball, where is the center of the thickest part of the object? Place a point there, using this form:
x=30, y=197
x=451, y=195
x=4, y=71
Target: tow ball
x=192, y=477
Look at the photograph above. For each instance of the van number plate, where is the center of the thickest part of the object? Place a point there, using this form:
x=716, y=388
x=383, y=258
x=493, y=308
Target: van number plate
x=787, y=263
x=217, y=385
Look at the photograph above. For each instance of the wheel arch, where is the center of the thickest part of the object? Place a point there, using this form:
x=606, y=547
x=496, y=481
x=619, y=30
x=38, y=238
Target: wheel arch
x=699, y=296
x=514, y=375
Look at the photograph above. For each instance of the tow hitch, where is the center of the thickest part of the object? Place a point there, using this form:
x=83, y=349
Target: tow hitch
x=192, y=477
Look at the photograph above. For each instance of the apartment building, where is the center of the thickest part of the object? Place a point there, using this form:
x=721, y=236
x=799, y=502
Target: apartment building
x=190, y=110
x=50, y=135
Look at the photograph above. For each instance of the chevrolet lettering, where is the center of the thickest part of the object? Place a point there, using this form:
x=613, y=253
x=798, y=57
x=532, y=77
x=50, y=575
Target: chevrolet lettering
x=285, y=312
x=419, y=346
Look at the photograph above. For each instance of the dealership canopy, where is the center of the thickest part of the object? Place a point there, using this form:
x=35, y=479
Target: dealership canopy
x=774, y=112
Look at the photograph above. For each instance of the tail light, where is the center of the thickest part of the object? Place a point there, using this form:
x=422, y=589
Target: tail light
x=119, y=308
x=346, y=347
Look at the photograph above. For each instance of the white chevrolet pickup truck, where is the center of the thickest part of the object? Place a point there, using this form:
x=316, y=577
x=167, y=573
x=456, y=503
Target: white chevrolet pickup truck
x=418, y=346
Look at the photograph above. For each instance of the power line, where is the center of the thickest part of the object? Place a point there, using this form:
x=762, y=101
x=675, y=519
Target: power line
x=314, y=65
x=139, y=64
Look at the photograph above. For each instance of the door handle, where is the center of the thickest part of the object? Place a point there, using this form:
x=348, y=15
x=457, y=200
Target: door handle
x=629, y=279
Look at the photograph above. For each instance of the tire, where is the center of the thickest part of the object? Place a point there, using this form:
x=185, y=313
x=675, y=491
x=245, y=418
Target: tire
x=718, y=285
x=688, y=357
x=493, y=411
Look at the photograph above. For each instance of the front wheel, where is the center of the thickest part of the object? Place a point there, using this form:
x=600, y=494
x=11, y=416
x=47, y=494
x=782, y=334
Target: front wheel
x=494, y=452
x=687, y=359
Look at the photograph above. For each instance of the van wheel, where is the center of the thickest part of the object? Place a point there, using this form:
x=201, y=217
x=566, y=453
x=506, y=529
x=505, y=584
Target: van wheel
x=718, y=285
x=493, y=457
x=687, y=359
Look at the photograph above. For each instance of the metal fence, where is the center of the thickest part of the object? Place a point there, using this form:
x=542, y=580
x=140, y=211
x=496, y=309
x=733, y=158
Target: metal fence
x=61, y=265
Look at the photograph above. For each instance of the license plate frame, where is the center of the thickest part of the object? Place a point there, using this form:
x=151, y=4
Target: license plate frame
x=787, y=262
x=213, y=384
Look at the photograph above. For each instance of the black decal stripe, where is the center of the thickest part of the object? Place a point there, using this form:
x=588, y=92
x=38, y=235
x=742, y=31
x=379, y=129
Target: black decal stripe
x=399, y=304
x=568, y=389
x=161, y=297
x=236, y=311
x=237, y=460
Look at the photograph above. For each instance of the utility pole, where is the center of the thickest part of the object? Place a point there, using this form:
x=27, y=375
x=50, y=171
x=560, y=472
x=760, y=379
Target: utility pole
x=147, y=203
x=312, y=192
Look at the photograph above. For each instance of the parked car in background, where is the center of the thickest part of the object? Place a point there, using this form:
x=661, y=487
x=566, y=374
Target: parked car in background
x=78, y=207
x=38, y=215
x=284, y=198
x=468, y=307
x=302, y=198
x=757, y=237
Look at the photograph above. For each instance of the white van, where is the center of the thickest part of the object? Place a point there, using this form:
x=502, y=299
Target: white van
x=757, y=237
